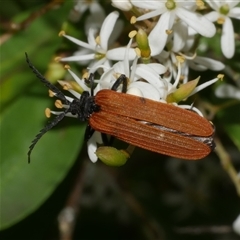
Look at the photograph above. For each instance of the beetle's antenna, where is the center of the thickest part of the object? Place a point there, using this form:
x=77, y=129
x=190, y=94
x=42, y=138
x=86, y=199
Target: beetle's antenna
x=50, y=86
x=58, y=94
x=53, y=123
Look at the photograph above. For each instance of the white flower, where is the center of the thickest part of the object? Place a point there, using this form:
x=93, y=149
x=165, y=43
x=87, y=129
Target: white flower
x=170, y=12
x=96, y=50
x=198, y=63
x=224, y=11
x=123, y=5
x=154, y=87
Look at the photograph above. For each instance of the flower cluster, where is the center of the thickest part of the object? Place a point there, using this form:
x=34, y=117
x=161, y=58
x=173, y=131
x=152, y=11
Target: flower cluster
x=156, y=55
x=159, y=52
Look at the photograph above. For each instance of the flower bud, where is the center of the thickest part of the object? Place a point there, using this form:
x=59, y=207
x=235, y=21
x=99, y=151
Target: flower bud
x=183, y=91
x=143, y=45
x=112, y=156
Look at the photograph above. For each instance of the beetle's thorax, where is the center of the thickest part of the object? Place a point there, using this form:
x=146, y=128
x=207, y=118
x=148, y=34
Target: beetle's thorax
x=83, y=107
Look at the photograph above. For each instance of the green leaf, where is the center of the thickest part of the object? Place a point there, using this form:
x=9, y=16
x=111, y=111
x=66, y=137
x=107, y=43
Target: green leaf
x=40, y=40
x=24, y=187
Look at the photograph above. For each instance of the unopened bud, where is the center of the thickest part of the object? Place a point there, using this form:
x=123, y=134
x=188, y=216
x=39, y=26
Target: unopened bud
x=112, y=156
x=143, y=45
x=183, y=91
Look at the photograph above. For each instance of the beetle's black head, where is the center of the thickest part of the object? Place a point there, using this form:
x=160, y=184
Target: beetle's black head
x=82, y=107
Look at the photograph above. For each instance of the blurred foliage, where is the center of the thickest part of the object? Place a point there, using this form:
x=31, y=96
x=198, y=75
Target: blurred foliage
x=151, y=197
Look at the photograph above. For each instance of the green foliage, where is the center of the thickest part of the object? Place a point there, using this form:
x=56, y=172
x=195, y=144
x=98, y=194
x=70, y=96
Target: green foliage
x=25, y=187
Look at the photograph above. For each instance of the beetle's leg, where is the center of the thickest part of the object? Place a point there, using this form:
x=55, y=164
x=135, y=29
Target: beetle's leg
x=107, y=141
x=88, y=132
x=121, y=80
x=90, y=81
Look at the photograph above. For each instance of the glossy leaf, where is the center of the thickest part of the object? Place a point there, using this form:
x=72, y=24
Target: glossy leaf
x=24, y=187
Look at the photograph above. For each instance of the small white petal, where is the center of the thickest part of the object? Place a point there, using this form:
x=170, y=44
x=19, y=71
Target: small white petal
x=119, y=68
x=69, y=98
x=75, y=94
x=151, y=14
x=107, y=28
x=133, y=69
x=180, y=36
x=97, y=63
x=135, y=91
x=227, y=38
x=123, y=5
x=145, y=4
x=204, y=85
x=79, y=42
x=158, y=68
x=92, y=146
x=232, y=3
x=214, y=4
x=234, y=13
x=212, y=16
x=158, y=43
x=78, y=80
x=107, y=63
x=125, y=60
x=145, y=72
x=91, y=37
x=196, y=21
x=78, y=58
x=117, y=54
x=147, y=90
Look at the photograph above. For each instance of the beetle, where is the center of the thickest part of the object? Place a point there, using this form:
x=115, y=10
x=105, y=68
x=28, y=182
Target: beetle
x=145, y=123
